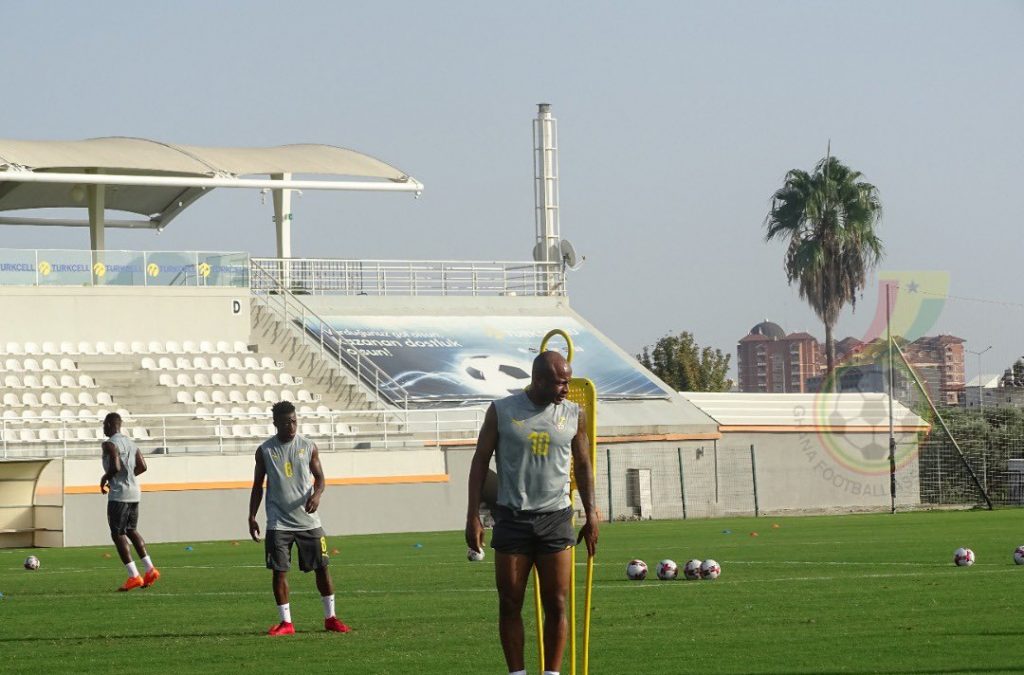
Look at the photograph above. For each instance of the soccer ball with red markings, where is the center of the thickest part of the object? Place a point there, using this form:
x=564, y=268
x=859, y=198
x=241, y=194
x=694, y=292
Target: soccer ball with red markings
x=668, y=570
x=31, y=563
x=963, y=557
x=1018, y=555
x=709, y=569
x=636, y=570
x=691, y=570
x=474, y=555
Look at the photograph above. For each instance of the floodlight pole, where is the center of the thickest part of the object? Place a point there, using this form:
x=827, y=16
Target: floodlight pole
x=283, y=223
x=981, y=393
x=892, y=387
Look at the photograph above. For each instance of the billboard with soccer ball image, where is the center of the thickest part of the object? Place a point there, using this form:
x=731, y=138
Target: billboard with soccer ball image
x=474, y=358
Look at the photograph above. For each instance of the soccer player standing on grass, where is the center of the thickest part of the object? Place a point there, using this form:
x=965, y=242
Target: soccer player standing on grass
x=295, y=481
x=122, y=464
x=536, y=436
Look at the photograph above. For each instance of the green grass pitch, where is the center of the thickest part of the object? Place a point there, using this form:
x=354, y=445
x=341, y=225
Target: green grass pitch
x=837, y=594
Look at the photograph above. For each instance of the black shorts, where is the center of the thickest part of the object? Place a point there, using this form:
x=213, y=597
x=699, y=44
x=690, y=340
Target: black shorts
x=123, y=517
x=532, y=532
x=312, y=546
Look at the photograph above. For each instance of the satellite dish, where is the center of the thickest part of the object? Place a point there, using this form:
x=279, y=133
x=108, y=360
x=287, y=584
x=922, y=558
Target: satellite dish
x=538, y=253
x=571, y=259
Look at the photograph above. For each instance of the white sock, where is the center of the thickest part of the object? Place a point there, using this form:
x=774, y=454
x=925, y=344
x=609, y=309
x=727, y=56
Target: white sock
x=133, y=571
x=517, y=672
x=148, y=563
x=550, y=672
x=285, y=612
x=328, y=601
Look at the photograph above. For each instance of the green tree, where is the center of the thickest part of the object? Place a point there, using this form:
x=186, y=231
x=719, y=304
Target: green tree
x=686, y=366
x=828, y=218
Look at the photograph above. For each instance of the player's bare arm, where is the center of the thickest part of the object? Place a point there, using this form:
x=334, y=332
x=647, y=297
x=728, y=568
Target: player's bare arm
x=313, y=503
x=140, y=464
x=256, y=496
x=584, y=473
x=486, y=442
x=115, y=465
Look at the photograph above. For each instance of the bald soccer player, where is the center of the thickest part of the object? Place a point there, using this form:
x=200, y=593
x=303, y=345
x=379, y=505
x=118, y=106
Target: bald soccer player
x=535, y=436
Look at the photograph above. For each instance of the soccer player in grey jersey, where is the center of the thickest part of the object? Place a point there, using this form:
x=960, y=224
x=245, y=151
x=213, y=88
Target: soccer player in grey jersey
x=290, y=464
x=122, y=464
x=536, y=436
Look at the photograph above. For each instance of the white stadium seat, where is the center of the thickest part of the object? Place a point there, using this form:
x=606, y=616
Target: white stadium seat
x=165, y=363
x=218, y=396
x=67, y=365
x=68, y=348
x=268, y=363
x=252, y=380
x=183, y=380
x=68, y=415
x=241, y=347
x=251, y=396
x=26, y=435
x=307, y=429
x=120, y=348
x=86, y=400
x=49, y=382
x=138, y=347
x=139, y=433
x=201, y=380
x=236, y=396
x=184, y=397
x=200, y=363
x=14, y=349
x=68, y=399
x=12, y=382
x=13, y=366
x=157, y=347
x=32, y=348
x=270, y=380
x=173, y=347
x=167, y=380
x=236, y=380
x=202, y=397
x=68, y=382
x=48, y=398
x=86, y=382
x=224, y=347
x=305, y=396
x=270, y=396
x=104, y=348
x=250, y=363
x=84, y=434
x=30, y=400
x=189, y=347
x=234, y=363
x=50, y=348
x=30, y=366
x=288, y=395
x=220, y=412
x=148, y=363
x=217, y=363
x=206, y=347
x=103, y=398
x=86, y=348
x=12, y=400
x=183, y=363
x=218, y=380
x=50, y=365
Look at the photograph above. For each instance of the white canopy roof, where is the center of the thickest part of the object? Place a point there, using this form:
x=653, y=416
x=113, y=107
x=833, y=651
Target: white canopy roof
x=158, y=180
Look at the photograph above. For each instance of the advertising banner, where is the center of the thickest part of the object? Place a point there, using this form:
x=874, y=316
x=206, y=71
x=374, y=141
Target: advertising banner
x=473, y=358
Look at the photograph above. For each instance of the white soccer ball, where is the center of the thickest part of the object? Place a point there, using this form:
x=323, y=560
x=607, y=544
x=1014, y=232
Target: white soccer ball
x=963, y=557
x=498, y=375
x=709, y=569
x=668, y=570
x=31, y=563
x=1018, y=555
x=636, y=570
x=474, y=555
x=691, y=570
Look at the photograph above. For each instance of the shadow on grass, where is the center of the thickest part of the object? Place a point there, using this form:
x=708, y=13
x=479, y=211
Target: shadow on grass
x=157, y=634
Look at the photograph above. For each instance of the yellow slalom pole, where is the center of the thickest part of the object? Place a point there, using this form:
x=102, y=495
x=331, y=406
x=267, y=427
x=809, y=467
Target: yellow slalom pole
x=540, y=617
x=572, y=609
x=586, y=615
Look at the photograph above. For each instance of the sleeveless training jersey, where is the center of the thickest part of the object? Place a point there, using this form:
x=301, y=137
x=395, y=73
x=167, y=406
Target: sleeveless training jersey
x=534, y=453
x=124, y=486
x=289, y=484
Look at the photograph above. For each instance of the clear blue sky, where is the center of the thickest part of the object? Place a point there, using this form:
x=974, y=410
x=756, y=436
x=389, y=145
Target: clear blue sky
x=677, y=122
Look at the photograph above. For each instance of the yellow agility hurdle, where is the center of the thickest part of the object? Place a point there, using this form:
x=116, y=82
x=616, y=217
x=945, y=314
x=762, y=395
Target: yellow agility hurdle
x=582, y=392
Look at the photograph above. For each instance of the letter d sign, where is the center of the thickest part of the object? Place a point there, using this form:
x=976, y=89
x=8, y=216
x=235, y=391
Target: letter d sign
x=236, y=307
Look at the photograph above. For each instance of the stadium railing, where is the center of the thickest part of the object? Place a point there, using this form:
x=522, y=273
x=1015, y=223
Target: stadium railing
x=407, y=277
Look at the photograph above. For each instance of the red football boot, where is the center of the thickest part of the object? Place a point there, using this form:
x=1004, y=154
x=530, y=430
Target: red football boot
x=133, y=582
x=333, y=624
x=150, y=577
x=283, y=628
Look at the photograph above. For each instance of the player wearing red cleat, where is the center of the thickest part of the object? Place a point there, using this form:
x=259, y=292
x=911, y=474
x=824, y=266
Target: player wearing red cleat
x=290, y=465
x=122, y=464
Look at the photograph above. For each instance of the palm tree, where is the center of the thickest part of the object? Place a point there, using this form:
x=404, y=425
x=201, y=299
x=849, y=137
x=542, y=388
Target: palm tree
x=829, y=220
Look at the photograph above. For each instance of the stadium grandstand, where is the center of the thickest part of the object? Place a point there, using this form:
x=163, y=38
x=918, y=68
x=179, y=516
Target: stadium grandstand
x=391, y=364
